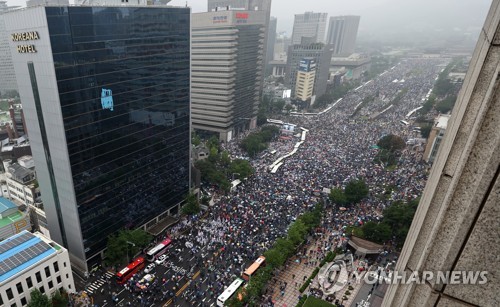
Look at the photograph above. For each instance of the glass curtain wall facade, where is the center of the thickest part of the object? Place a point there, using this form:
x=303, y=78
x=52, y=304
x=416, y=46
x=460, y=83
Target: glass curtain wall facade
x=123, y=79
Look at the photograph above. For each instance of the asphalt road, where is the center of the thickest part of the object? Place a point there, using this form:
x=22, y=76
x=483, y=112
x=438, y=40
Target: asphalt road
x=187, y=282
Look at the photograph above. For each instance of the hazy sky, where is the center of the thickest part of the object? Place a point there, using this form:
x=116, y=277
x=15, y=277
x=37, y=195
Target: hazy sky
x=377, y=16
x=380, y=15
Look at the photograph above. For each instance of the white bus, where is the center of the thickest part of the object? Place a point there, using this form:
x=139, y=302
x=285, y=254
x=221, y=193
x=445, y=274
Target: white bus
x=404, y=122
x=158, y=250
x=229, y=292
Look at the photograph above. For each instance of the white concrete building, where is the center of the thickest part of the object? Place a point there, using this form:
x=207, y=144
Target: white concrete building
x=21, y=185
x=29, y=261
x=311, y=25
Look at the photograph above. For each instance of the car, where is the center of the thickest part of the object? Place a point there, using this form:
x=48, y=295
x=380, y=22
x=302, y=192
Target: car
x=161, y=259
x=149, y=268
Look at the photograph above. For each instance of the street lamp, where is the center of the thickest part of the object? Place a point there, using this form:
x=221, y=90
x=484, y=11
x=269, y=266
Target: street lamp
x=133, y=244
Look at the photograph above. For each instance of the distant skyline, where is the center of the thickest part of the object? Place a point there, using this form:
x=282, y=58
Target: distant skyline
x=379, y=18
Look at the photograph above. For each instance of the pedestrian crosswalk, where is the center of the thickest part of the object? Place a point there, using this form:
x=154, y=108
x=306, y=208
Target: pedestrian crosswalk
x=94, y=286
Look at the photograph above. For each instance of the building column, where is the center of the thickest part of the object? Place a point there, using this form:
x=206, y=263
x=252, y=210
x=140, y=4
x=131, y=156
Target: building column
x=456, y=226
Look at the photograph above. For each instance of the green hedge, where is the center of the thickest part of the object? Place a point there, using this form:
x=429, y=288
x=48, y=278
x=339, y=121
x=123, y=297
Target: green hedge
x=302, y=300
x=309, y=280
x=330, y=256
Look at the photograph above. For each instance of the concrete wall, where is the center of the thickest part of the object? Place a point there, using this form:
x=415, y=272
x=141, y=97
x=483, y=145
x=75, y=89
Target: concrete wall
x=457, y=226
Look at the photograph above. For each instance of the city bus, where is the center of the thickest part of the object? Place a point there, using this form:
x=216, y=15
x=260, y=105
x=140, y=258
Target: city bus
x=130, y=270
x=229, y=292
x=247, y=274
x=158, y=250
x=404, y=122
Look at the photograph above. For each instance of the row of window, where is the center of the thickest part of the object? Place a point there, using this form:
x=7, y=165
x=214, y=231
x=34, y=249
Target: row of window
x=19, y=189
x=29, y=282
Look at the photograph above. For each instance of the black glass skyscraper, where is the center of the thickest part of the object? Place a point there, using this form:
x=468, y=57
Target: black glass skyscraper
x=107, y=100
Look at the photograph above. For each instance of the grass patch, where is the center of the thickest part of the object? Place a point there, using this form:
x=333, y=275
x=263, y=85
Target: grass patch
x=315, y=302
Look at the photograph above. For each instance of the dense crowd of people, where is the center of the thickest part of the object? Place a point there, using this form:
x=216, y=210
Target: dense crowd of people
x=339, y=146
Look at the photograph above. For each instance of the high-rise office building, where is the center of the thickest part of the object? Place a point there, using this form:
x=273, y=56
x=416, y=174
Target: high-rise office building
x=342, y=33
x=7, y=75
x=105, y=93
x=305, y=79
x=249, y=5
x=117, y=2
x=271, y=39
x=322, y=55
x=226, y=72
x=311, y=25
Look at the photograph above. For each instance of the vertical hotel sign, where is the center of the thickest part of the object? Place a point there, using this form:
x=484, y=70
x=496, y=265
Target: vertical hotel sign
x=25, y=37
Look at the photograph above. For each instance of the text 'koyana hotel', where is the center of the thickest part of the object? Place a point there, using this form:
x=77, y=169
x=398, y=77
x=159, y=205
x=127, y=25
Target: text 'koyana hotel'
x=105, y=92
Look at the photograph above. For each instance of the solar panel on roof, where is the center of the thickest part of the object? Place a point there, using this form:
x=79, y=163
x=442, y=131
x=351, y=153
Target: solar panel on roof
x=23, y=256
x=15, y=242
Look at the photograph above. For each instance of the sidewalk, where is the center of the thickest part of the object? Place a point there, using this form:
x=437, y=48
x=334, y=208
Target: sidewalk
x=301, y=271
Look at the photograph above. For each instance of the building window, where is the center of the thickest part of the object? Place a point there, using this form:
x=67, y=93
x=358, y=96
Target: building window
x=24, y=302
x=64, y=263
x=38, y=277
x=47, y=271
x=10, y=295
x=19, y=288
x=58, y=279
x=56, y=267
x=51, y=285
x=28, y=282
x=42, y=289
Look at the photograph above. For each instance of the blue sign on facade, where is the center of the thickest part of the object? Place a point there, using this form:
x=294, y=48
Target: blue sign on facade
x=107, y=99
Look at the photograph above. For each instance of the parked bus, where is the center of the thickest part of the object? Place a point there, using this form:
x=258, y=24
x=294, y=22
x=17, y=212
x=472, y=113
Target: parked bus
x=404, y=122
x=247, y=274
x=158, y=250
x=229, y=292
x=130, y=270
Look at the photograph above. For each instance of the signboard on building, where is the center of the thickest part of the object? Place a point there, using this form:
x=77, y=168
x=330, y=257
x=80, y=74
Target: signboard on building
x=24, y=37
x=219, y=19
x=107, y=99
x=307, y=65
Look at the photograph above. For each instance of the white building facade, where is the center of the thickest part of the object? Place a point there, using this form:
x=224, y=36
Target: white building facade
x=29, y=261
x=311, y=25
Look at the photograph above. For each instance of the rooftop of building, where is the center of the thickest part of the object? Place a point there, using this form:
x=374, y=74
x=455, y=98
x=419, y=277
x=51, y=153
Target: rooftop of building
x=6, y=204
x=12, y=218
x=442, y=121
x=19, y=172
x=21, y=251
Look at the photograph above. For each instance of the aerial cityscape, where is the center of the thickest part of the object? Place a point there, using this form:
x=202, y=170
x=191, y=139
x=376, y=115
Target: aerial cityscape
x=249, y=153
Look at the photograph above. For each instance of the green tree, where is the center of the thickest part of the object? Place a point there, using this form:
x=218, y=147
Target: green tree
x=355, y=191
x=447, y=104
x=195, y=139
x=425, y=130
x=225, y=160
x=275, y=257
x=338, y=197
x=38, y=299
x=297, y=232
x=60, y=298
x=192, y=206
x=125, y=244
x=284, y=247
x=377, y=232
x=253, y=144
x=241, y=167
x=277, y=105
x=391, y=143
